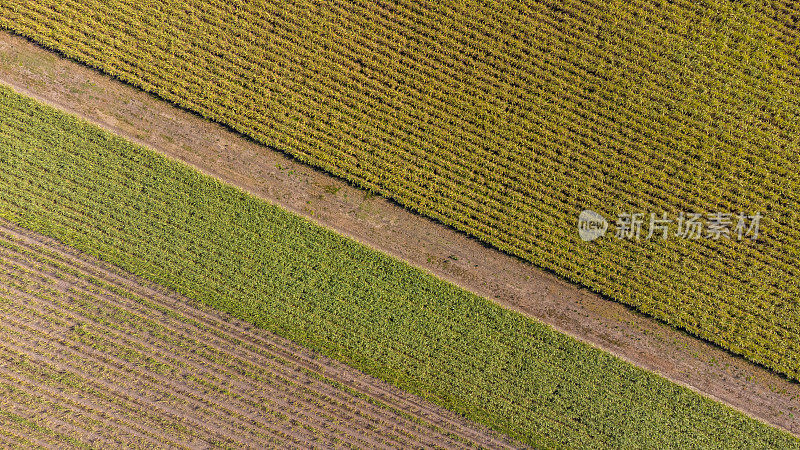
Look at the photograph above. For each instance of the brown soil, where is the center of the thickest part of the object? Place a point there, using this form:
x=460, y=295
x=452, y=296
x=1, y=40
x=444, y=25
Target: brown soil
x=383, y=225
x=91, y=353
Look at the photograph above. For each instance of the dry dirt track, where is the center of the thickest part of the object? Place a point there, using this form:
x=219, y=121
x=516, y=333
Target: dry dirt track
x=90, y=355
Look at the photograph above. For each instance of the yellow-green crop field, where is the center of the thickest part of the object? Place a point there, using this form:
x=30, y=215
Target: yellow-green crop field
x=506, y=119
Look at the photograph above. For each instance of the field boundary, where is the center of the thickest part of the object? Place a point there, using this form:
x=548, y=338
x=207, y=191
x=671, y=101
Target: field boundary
x=223, y=349
x=390, y=228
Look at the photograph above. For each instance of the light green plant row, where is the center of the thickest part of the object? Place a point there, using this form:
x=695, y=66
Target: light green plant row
x=179, y=228
x=506, y=120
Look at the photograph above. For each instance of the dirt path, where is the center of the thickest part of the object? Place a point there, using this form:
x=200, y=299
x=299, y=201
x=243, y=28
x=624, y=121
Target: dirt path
x=383, y=225
x=93, y=355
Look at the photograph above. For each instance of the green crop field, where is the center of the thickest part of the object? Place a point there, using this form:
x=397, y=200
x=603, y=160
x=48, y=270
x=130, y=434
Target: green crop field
x=125, y=363
x=174, y=226
x=505, y=120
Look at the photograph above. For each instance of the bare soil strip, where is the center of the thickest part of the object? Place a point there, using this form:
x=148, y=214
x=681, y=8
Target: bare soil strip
x=92, y=355
x=387, y=227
